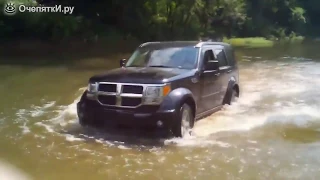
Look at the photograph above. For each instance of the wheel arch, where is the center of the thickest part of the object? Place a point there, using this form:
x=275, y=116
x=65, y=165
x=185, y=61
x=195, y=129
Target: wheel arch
x=177, y=98
x=191, y=102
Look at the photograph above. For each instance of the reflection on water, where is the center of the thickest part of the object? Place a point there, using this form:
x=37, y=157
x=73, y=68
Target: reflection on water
x=271, y=132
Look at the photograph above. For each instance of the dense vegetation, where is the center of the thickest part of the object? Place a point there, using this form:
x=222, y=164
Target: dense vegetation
x=166, y=19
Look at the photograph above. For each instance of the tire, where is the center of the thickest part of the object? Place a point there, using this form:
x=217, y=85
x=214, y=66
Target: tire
x=230, y=97
x=233, y=96
x=185, y=122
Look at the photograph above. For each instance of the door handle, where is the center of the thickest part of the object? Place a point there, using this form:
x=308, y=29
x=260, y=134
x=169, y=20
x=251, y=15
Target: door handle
x=229, y=71
x=217, y=74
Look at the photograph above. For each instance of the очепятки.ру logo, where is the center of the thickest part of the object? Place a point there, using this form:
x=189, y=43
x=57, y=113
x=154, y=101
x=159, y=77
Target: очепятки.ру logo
x=10, y=8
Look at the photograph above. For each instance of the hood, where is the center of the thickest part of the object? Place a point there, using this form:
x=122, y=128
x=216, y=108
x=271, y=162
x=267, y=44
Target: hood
x=142, y=75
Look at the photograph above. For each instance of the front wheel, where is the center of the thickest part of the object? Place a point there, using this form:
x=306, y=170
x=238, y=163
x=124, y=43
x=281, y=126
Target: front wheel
x=230, y=97
x=185, y=122
x=234, y=95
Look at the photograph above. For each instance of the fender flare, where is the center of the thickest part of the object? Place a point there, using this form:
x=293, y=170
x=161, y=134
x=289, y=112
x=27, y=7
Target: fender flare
x=176, y=98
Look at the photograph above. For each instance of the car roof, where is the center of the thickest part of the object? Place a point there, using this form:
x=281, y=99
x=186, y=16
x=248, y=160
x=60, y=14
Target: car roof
x=183, y=43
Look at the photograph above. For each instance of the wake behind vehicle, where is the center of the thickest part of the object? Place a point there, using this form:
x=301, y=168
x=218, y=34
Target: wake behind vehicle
x=163, y=85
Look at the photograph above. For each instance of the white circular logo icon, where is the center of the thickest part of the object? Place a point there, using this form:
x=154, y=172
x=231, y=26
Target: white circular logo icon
x=10, y=8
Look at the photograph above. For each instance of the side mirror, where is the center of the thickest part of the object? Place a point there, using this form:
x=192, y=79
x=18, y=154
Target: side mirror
x=123, y=62
x=212, y=65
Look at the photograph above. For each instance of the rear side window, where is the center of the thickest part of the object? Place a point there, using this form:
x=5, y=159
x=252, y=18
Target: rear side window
x=233, y=57
x=230, y=56
x=221, y=56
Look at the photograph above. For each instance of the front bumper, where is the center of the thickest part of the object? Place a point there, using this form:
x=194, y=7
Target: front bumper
x=92, y=113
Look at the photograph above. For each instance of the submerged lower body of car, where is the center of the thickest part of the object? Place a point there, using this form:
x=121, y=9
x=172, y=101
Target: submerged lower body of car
x=178, y=121
x=91, y=113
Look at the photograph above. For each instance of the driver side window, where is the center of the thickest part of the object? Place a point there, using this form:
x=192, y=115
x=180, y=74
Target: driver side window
x=208, y=56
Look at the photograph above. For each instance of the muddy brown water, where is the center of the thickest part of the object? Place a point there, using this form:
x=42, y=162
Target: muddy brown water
x=271, y=132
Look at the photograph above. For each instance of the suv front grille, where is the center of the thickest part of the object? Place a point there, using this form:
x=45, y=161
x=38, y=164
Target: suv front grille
x=128, y=101
x=107, y=100
x=132, y=89
x=107, y=87
x=120, y=95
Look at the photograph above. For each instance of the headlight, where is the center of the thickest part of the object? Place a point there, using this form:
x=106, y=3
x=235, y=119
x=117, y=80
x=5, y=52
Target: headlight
x=92, y=87
x=155, y=94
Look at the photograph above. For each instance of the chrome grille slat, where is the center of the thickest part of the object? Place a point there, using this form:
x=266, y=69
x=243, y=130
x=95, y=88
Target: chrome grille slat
x=131, y=95
x=108, y=93
x=118, y=95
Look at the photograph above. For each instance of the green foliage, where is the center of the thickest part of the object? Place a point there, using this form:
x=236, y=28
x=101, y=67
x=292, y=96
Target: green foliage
x=250, y=42
x=168, y=20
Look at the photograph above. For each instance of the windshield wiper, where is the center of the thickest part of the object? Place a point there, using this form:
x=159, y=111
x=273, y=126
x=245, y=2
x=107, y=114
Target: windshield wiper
x=161, y=66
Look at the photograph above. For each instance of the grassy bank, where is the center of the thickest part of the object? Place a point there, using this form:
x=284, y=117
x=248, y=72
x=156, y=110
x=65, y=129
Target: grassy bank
x=249, y=42
x=257, y=42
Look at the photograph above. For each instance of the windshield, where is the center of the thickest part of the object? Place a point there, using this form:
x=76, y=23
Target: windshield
x=171, y=57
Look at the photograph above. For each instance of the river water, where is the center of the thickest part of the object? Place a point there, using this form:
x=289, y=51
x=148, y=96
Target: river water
x=271, y=132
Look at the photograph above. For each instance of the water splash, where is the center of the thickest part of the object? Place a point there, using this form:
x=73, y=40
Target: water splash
x=277, y=93
x=9, y=172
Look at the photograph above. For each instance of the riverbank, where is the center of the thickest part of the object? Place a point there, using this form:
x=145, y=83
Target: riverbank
x=256, y=42
x=99, y=47
x=33, y=52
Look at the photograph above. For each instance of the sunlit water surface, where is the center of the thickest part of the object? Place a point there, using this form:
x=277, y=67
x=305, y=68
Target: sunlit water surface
x=271, y=132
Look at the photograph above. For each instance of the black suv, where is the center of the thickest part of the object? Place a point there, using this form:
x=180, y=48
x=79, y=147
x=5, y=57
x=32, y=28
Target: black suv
x=166, y=85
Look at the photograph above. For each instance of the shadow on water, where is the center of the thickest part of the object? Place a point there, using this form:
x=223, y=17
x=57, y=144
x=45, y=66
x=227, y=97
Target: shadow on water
x=127, y=137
